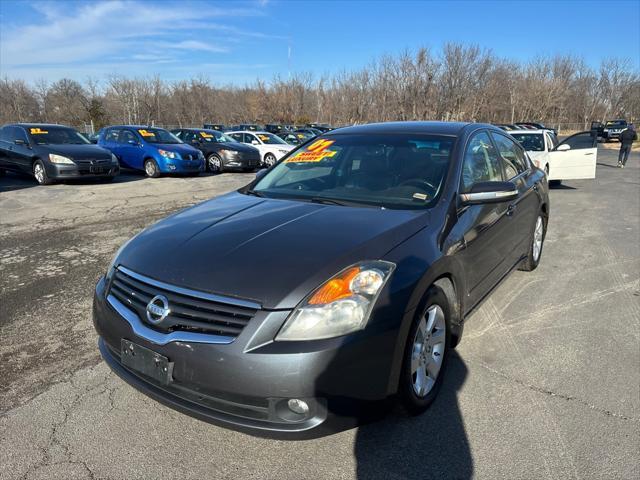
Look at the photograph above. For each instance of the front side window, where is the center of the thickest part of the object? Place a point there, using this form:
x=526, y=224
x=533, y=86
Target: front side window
x=127, y=136
x=402, y=171
x=512, y=155
x=238, y=137
x=580, y=140
x=481, y=162
x=111, y=135
x=51, y=135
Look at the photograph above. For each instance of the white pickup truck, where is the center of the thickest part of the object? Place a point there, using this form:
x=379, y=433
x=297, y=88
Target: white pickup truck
x=572, y=159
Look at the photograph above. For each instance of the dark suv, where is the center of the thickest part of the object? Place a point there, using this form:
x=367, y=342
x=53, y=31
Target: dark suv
x=612, y=129
x=341, y=275
x=53, y=152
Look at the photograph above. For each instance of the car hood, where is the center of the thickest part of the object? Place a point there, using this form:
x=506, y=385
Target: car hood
x=236, y=146
x=78, y=151
x=271, y=251
x=176, y=147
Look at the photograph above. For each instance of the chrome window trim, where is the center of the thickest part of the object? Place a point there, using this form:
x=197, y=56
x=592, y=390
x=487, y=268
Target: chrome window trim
x=191, y=293
x=142, y=331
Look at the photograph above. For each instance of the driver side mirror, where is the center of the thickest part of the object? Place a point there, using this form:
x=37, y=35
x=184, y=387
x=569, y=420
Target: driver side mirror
x=261, y=173
x=490, y=192
x=563, y=148
x=20, y=141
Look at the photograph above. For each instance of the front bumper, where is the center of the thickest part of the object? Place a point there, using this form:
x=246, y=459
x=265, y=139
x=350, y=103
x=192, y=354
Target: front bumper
x=246, y=384
x=241, y=160
x=66, y=172
x=176, y=165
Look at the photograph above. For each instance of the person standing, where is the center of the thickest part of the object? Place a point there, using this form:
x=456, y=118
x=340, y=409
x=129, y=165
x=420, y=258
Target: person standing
x=627, y=138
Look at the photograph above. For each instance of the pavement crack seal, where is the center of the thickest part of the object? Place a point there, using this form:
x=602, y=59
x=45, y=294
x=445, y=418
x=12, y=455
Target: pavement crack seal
x=562, y=396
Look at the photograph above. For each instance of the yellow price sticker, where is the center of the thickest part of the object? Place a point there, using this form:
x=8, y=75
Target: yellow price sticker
x=206, y=135
x=37, y=131
x=146, y=133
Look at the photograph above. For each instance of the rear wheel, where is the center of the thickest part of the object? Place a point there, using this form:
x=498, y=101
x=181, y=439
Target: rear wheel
x=41, y=173
x=151, y=168
x=214, y=163
x=537, y=242
x=426, y=353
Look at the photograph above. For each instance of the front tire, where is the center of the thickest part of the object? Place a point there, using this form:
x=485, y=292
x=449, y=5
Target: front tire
x=269, y=160
x=40, y=173
x=151, y=169
x=214, y=163
x=537, y=242
x=426, y=353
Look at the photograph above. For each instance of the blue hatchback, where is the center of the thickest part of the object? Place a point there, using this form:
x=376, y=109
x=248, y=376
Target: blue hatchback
x=153, y=150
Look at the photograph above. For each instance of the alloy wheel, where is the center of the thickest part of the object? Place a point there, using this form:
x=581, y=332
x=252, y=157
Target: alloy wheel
x=538, y=235
x=214, y=163
x=149, y=169
x=38, y=172
x=269, y=160
x=427, y=353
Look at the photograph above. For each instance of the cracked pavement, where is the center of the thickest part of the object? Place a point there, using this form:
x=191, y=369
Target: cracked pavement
x=545, y=384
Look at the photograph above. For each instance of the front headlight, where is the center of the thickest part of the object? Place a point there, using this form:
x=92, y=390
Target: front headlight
x=200, y=155
x=60, y=160
x=167, y=154
x=339, y=306
x=114, y=261
x=114, y=159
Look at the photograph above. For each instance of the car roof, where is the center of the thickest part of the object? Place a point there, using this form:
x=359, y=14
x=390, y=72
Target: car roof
x=539, y=130
x=29, y=125
x=254, y=132
x=439, y=128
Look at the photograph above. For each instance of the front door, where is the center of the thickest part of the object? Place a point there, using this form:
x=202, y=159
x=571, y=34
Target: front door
x=574, y=158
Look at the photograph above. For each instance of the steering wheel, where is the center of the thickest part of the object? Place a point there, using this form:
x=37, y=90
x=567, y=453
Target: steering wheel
x=415, y=182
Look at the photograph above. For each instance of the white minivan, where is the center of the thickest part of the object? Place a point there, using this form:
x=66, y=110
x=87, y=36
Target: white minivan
x=272, y=148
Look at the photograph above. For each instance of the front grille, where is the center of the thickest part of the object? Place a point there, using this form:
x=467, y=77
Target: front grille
x=190, y=312
x=88, y=163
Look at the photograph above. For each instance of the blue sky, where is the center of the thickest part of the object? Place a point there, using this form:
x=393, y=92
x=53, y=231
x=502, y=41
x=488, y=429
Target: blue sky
x=239, y=41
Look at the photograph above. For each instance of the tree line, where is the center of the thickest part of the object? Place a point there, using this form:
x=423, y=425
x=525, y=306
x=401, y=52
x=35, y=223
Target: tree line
x=457, y=82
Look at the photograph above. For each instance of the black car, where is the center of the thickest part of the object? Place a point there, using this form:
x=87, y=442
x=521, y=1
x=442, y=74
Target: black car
x=275, y=128
x=322, y=127
x=341, y=275
x=612, y=129
x=220, y=151
x=293, y=138
x=311, y=132
x=53, y=152
x=215, y=126
x=251, y=127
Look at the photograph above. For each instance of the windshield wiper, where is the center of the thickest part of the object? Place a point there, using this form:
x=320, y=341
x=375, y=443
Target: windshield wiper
x=254, y=193
x=327, y=201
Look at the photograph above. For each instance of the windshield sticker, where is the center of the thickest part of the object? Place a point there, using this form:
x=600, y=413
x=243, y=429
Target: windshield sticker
x=264, y=138
x=206, y=135
x=146, y=133
x=37, y=131
x=300, y=135
x=316, y=152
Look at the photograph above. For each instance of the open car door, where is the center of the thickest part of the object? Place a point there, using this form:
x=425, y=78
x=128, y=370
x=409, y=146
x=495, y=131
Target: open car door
x=574, y=158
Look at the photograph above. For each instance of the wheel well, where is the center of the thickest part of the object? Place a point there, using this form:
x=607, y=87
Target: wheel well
x=544, y=209
x=447, y=284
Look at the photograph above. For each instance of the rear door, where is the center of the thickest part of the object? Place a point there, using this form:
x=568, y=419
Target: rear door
x=21, y=155
x=578, y=161
x=6, y=144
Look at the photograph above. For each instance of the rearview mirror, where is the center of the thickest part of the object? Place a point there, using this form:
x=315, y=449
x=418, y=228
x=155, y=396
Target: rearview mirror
x=490, y=192
x=563, y=148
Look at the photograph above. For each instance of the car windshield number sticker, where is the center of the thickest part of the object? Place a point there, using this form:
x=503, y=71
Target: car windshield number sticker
x=316, y=152
x=37, y=131
x=206, y=135
x=146, y=133
x=264, y=138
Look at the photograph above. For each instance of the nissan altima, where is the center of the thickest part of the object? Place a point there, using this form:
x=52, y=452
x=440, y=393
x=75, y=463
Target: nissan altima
x=341, y=276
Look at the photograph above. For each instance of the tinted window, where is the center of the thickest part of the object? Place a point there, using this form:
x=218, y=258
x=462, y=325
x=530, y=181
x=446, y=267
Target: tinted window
x=403, y=171
x=481, y=162
x=511, y=154
x=178, y=133
x=580, y=140
x=189, y=137
x=111, y=135
x=126, y=136
x=237, y=137
x=52, y=135
x=531, y=142
x=157, y=135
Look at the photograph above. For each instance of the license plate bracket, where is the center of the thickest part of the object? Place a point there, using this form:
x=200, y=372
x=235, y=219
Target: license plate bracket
x=146, y=361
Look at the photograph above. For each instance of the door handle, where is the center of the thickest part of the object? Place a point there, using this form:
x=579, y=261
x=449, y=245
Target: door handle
x=511, y=209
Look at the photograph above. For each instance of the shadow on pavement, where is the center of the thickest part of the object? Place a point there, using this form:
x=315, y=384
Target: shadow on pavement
x=431, y=445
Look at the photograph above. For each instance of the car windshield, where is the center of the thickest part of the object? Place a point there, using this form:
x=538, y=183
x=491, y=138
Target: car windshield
x=158, y=135
x=270, y=139
x=403, y=171
x=617, y=123
x=531, y=142
x=56, y=136
x=214, y=136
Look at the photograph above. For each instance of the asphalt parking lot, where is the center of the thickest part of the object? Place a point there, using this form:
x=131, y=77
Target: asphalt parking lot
x=545, y=384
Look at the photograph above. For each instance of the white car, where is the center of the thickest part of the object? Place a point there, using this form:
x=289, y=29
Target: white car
x=272, y=148
x=572, y=159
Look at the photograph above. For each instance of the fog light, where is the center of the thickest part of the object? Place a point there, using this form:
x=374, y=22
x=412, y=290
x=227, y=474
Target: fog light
x=298, y=406
x=172, y=167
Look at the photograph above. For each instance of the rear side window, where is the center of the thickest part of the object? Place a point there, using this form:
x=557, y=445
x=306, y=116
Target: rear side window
x=4, y=134
x=111, y=135
x=481, y=162
x=512, y=155
x=237, y=137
